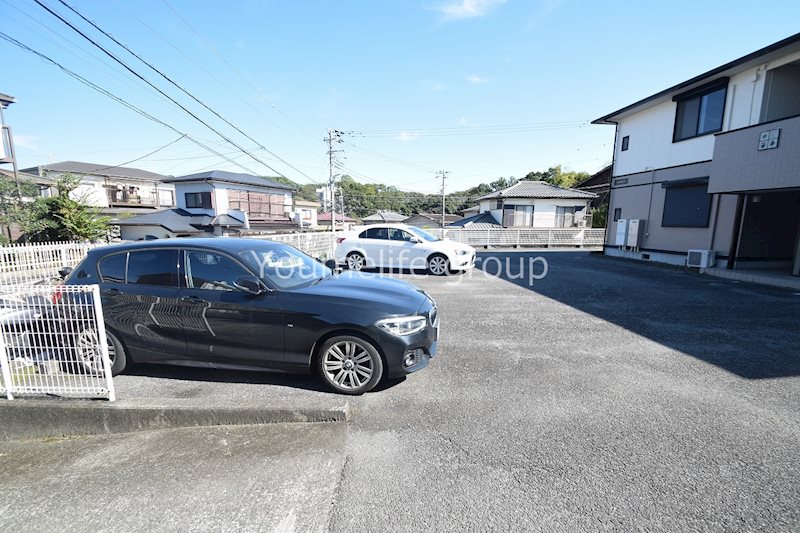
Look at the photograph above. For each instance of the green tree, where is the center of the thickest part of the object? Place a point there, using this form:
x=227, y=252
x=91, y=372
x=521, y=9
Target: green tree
x=20, y=208
x=558, y=176
x=69, y=216
x=600, y=216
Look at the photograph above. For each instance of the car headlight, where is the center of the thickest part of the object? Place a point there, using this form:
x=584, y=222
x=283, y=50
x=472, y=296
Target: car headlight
x=402, y=325
x=461, y=252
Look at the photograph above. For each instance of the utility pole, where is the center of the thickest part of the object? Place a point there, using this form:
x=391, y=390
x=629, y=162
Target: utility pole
x=334, y=136
x=443, y=174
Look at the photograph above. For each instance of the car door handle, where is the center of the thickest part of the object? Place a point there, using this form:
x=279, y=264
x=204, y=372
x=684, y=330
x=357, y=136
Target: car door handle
x=110, y=292
x=193, y=300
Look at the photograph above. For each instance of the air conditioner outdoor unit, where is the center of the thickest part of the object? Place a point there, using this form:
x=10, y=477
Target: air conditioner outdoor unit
x=701, y=258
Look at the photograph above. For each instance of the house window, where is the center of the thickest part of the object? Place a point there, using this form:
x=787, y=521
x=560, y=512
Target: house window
x=198, y=199
x=686, y=206
x=166, y=197
x=699, y=112
x=517, y=216
x=625, y=141
x=496, y=204
x=617, y=213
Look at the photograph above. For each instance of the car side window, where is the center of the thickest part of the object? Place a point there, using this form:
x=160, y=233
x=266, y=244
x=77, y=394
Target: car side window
x=212, y=271
x=153, y=267
x=112, y=268
x=399, y=235
x=377, y=233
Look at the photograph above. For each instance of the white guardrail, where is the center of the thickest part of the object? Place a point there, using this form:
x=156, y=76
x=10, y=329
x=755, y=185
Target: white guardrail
x=37, y=262
x=50, y=342
x=527, y=237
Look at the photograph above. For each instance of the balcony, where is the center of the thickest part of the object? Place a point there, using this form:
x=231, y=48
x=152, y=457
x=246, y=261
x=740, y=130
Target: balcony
x=132, y=196
x=757, y=158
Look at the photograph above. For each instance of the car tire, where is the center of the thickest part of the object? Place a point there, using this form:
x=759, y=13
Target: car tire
x=355, y=261
x=438, y=265
x=88, y=358
x=349, y=365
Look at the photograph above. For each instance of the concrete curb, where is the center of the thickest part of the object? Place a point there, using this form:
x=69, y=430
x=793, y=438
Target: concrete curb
x=20, y=419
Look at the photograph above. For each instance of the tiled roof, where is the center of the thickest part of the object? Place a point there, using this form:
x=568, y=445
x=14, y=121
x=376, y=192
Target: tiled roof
x=385, y=216
x=538, y=189
x=483, y=220
x=96, y=169
x=24, y=176
x=175, y=220
x=326, y=217
x=437, y=217
x=231, y=177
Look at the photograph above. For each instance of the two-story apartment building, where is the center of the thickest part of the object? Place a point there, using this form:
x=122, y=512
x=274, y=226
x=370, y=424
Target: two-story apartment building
x=713, y=163
x=113, y=189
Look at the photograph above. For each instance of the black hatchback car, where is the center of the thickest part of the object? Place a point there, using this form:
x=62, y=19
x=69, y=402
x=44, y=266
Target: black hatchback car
x=250, y=304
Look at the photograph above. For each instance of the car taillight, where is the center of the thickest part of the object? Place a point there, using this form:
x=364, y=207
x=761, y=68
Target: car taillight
x=58, y=294
x=340, y=240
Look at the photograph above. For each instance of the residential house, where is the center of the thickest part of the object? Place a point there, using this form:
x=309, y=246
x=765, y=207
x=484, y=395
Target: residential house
x=346, y=224
x=115, y=190
x=381, y=217
x=260, y=203
x=712, y=164
x=599, y=184
x=470, y=211
x=431, y=220
x=47, y=187
x=305, y=213
x=532, y=204
x=217, y=203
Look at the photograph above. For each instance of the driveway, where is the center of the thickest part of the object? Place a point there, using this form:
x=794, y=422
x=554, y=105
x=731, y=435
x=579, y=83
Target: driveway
x=609, y=395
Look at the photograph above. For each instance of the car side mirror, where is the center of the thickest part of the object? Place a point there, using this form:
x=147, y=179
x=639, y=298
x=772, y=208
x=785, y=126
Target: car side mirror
x=249, y=284
x=64, y=272
x=331, y=263
x=415, y=240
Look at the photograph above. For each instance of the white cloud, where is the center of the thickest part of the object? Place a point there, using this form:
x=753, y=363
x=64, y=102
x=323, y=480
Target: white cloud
x=464, y=9
x=408, y=136
x=477, y=80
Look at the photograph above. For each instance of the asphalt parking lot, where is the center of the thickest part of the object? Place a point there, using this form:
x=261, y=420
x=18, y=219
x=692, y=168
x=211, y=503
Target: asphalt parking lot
x=608, y=395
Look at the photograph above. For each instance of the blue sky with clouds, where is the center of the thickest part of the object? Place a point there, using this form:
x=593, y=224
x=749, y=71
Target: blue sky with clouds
x=482, y=88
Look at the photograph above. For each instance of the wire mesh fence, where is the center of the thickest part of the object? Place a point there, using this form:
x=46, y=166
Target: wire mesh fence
x=32, y=263
x=53, y=342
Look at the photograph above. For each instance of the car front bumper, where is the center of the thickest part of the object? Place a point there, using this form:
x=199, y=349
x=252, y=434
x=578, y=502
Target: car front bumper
x=411, y=353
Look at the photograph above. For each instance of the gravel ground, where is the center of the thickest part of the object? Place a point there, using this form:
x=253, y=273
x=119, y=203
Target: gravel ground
x=609, y=395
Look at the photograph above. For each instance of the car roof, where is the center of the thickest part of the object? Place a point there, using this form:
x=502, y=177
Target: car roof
x=381, y=225
x=224, y=244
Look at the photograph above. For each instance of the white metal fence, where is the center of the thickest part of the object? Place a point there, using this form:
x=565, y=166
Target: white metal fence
x=37, y=262
x=531, y=237
x=315, y=244
x=50, y=342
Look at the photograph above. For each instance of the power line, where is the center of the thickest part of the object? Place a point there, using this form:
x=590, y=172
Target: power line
x=179, y=87
x=116, y=98
x=213, y=76
x=142, y=157
x=234, y=69
x=129, y=69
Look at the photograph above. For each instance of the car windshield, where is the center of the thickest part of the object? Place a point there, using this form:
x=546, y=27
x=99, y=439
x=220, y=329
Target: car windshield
x=284, y=267
x=422, y=234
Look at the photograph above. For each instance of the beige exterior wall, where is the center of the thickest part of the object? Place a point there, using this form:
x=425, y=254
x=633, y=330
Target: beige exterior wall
x=641, y=196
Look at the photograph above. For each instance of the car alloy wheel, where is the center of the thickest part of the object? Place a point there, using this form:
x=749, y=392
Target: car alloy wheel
x=350, y=365
x=88, y=351
x=438, y=265
x=355, y=261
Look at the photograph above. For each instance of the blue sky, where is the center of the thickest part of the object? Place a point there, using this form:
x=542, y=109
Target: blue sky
x=481, y=88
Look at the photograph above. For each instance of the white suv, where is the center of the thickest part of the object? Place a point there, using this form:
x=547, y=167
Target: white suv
x=402, y=246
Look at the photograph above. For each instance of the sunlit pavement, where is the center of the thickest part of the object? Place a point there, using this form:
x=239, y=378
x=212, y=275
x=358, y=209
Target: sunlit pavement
x=609, y=395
